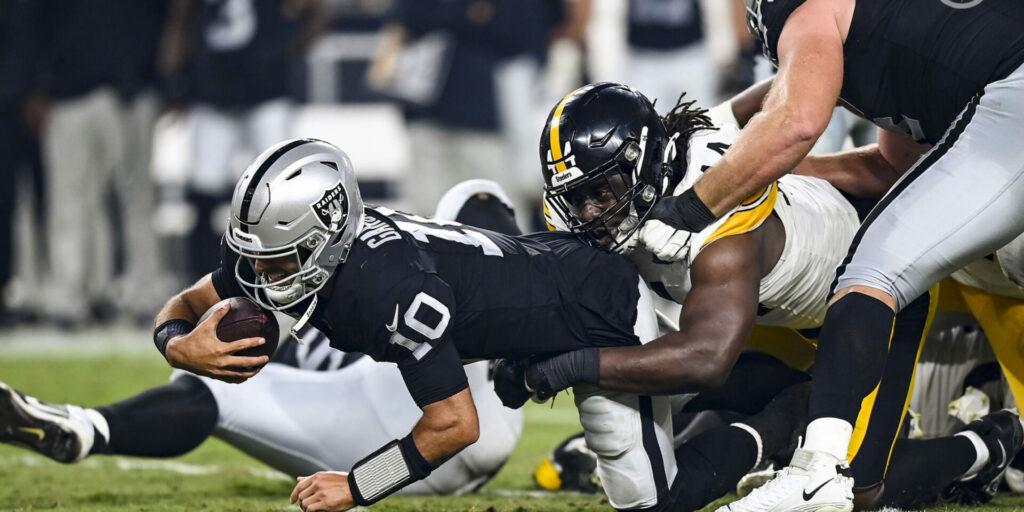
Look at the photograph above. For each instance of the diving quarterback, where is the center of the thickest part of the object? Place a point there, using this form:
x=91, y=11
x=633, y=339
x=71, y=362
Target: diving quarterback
x=292, y=415
x=607, y=156
x=430, y=295
x=937, y=75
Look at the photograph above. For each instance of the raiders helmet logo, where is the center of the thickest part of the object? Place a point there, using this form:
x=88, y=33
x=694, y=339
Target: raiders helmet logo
x=331, y=208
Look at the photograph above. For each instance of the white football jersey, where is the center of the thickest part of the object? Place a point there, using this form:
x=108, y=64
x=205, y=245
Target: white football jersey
x=1011, y=260
x=987, y=274
x=820, y=225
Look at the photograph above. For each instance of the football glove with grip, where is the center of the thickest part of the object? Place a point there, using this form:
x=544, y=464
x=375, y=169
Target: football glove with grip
x=666, y=243
x=517, y=381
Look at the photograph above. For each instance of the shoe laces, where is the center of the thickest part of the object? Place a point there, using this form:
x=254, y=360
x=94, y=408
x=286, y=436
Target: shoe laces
x=773, y=491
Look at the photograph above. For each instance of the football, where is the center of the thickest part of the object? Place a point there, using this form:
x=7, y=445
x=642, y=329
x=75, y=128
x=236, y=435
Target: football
x=246, y=319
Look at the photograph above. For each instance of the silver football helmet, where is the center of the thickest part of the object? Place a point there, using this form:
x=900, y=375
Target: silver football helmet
x=299, y=199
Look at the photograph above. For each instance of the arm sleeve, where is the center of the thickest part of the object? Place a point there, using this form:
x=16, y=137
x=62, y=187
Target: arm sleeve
x=437, y=376
x=224, y=276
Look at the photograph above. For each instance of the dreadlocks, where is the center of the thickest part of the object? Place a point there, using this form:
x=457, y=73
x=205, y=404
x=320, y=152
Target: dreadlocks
x=686, y=118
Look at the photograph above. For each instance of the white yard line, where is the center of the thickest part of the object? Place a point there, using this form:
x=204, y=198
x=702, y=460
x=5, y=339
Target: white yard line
x=131, y=464
x=96, y=342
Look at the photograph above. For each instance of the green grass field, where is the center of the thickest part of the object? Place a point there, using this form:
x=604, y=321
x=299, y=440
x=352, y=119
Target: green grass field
x=217, y=477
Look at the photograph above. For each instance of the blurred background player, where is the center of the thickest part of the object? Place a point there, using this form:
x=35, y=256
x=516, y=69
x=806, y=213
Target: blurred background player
x=20, y=166
x=90, y=95
x=467, y=76
x=667, y=52
x=234, y=62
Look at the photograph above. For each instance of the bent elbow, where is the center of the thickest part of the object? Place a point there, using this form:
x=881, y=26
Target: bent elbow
x=469, y=432
x=713, y=376
x=807, y=127
x=714, y=379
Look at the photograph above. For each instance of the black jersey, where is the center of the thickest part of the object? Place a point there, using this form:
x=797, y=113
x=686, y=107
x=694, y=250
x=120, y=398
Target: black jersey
x=430, y=295
x=243, y=51
x=664, y=24
x=911, y=66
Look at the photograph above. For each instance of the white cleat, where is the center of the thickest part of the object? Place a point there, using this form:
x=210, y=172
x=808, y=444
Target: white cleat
x=755, y=479
x=813, y=482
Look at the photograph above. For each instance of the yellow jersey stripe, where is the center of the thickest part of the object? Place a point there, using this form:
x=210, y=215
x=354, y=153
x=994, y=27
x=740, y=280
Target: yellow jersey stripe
x=750, y=214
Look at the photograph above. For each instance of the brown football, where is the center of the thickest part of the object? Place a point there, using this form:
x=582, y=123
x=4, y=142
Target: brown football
x=246, y=319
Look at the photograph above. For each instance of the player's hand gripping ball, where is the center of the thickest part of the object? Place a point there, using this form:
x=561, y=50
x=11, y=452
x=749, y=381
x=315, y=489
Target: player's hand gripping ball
x=246, y=319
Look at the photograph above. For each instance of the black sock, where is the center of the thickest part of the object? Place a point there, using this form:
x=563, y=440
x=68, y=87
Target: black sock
x=921, y=468
x=709, y=466
x=851, y=354
x=161, y=422
x=887, y=412
x=781, y=419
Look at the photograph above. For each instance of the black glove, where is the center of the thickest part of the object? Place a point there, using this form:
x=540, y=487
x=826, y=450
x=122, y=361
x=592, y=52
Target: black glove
x=685, y=211
x=544, y=379
x=509, y=378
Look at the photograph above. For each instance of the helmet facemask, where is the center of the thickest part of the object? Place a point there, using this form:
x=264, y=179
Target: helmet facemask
x=624, y=198
x=278, y=292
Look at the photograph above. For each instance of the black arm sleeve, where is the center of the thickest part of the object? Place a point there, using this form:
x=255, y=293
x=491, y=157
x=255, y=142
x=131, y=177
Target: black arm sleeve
x=437, y=376
x=224, y=276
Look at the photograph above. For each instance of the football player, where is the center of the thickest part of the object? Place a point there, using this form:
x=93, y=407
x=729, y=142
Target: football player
x=429, y=295
x=770, y=261
x=289, y=416
x=943, y=79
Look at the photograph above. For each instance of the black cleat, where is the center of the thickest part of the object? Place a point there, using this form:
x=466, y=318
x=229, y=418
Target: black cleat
x=48, y=429
x=1003, y=434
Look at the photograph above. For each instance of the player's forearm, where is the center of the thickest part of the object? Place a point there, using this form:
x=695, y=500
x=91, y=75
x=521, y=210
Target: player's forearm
x=190, y=304
x=861, y=172
x=671, y=364
x=797, y=109
x=769, y=147
x=747, y=104
x=446, y=427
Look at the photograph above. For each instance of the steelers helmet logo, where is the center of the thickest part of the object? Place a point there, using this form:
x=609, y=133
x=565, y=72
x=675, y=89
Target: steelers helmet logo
x=962, y=4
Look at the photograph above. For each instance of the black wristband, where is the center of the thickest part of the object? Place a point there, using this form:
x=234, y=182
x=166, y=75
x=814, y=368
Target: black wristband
x=384, y=473
x=550, y=376
x=685, y=211
x=169, y=329
x=417, y=463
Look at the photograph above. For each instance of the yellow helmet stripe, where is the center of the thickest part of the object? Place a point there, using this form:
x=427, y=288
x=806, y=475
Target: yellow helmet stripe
x=555, y=142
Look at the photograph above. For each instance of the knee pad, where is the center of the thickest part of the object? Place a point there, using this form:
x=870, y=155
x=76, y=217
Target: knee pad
x=610, y=427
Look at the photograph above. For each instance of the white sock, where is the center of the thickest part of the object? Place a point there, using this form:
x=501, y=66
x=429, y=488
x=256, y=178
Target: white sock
x=980, y=449
x=100, y=423
x=829, y=435
x=757, y=439
x=83, y=426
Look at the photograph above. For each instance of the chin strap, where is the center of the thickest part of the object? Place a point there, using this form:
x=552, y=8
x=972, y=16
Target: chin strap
x=302, y=321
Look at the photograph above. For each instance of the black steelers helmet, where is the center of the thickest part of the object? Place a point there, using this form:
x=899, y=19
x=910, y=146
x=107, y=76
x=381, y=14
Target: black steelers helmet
x=595, y=132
